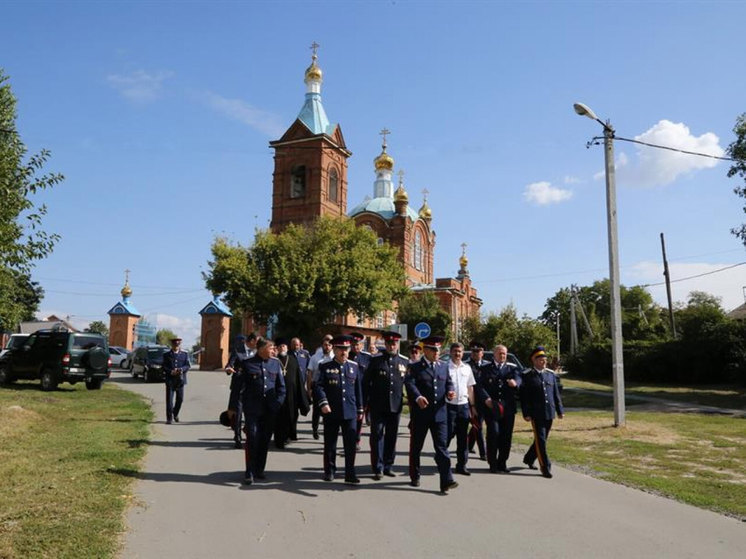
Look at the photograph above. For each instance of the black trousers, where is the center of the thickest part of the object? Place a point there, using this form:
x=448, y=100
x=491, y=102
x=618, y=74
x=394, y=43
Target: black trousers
x=538, y=449
x=421, y=424
x=332, y=428
x=172, y=409
x=384, y=427
x=258, y=434
x=499, y=439
x=458, y=426
x=476, y=434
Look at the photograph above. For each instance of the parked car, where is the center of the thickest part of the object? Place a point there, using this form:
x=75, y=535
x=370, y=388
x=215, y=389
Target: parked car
x=147, y=362
x=15, y=340
x=56, y=356
x=118, y=356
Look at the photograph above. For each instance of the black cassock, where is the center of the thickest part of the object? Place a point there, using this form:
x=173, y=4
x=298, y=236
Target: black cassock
x=296, y=400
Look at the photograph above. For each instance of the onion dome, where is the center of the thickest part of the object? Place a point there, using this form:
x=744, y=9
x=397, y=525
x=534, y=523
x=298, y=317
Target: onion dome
x=384, y=161
x=313, y=72
x=425, y=211
x=126, y=290
x=463, y=261
x=401, y=195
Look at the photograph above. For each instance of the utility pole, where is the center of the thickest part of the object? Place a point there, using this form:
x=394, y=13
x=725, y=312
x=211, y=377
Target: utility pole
x=668, y=287
x=573, y=324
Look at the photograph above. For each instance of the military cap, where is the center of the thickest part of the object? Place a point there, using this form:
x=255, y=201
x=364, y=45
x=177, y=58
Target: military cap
x=342, y=341
x=538, y=351
x=390, y=335
x=357, y=336
x=433, y=342
x=281, y=341
x=475, y=345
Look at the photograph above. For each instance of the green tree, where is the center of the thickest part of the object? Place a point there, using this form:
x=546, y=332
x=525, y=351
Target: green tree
x=98, y=327
x=519, y=334
x=22, y=241
x=164, y=336
x=307, y=275
x=737, y=150
x=415, y=307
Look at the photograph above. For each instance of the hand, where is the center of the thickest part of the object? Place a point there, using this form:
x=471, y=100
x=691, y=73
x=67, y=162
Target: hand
x=360, y=417
x=422, y=402
x=561, y=415
x=229, y=370
x=526, y=418
x=326, y=409
x=231, y=413
x=512, y=383
x=451, y=395
x=488, y=403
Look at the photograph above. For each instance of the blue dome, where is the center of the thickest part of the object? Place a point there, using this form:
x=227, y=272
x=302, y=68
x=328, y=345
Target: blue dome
x=383, y=206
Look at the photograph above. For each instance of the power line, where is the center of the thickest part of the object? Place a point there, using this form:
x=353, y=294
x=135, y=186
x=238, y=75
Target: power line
x=695, y=276
x=674, y=149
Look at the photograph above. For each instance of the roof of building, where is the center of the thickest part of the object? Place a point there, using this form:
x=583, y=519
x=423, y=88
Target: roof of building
x=124, y=307
x=383, y=206
x=739, y=313
x=216, y=306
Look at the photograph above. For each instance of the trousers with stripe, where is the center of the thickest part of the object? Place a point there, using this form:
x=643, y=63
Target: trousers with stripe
x=332, y=427
x=538, y=449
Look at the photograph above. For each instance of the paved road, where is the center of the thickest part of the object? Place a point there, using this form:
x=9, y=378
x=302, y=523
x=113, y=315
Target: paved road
x=190, y=504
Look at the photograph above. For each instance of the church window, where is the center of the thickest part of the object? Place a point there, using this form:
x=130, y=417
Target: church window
x=333, y=186
x=379, y=320
x=380, y=241
x=418, y=251
x=298, y=181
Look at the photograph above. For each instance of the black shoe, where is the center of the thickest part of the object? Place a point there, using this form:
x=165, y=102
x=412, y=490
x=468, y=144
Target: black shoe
x=547, y=474
x=352, y=480
x=389, y=473
x=176, y=418
x=463, y=471
x=415, y=483
x=261, y=476
x=503, y=470
x=494, y=469
x=530, y=466
x=248, y=479
x=168, y=422
x=449, y=485
x=328, y=477
x=482, y=457
x=237, y=443
x=377, y=476
x=316, y=435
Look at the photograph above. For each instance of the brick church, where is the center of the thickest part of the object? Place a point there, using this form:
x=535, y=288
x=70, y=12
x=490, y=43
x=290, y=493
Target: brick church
x=310, y=180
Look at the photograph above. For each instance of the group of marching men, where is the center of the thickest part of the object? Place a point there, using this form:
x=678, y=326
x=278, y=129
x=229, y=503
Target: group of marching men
x=450, y=399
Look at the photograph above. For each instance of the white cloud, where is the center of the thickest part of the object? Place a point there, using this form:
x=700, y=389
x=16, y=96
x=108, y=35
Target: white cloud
x=187, y=328
x=659, y=167
x=543, y=193
x=727, y=284
x=239, y=110
x=139, y=86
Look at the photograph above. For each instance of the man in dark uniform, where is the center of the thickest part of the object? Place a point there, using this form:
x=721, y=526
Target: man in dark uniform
x=383, y=384
x=175, y=367
x=476, y=435
x=428, y=384
x=339, y=394
x=262, y=391
x=497, y=387
x=540, y=402
x=362, y=358
x=303, y=404
x=241, y=351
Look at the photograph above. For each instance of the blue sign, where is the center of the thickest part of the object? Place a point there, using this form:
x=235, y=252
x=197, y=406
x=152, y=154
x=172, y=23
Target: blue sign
x=422, y=330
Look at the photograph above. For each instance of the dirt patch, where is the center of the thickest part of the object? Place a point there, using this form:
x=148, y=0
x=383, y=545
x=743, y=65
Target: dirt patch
x=15, y=420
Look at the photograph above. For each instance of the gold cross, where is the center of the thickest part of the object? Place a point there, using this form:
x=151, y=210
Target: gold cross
x=314, y=47
x=385, y=132
x=401, y=176
x=425, y=192
x=463, y=249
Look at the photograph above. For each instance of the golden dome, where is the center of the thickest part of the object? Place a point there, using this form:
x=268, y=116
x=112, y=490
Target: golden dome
x=126, y=290
x=401, y=195
x=313, y=72
x=384, y=161
x=425, y=211
x=463, y=261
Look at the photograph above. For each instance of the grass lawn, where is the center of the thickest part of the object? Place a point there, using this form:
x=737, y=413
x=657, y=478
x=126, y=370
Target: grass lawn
x=59, y=452
x=695, y=458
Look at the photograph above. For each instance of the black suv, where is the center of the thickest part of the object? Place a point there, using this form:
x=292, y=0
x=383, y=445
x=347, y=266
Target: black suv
x=56, y=356
x=148, y=362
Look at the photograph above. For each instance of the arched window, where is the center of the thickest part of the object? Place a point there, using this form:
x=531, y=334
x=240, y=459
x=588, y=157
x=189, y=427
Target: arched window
x=418, y=251
x=333, y=186
x=298, y=181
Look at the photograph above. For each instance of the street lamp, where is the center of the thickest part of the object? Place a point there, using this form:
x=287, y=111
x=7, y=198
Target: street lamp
x=617, y=360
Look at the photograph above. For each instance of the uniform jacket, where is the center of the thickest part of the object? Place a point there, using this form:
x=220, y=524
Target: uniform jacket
x=303, y=358
x=239, y=353
x=493, y=383
x=432, y=381
x=340, y=386
x=362, y=359
x=383, y=382
x=175, y=361
x=262, y=385
x=539, y=393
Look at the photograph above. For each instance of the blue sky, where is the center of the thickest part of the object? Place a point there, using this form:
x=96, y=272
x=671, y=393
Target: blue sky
x=159, y=115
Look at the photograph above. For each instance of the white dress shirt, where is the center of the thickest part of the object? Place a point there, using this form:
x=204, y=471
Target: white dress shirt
x=462, y=378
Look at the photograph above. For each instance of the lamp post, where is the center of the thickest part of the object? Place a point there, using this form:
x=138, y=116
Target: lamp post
x=617, y=361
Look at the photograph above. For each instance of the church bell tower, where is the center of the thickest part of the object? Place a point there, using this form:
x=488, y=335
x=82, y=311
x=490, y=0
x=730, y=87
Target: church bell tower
x=310, y=176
